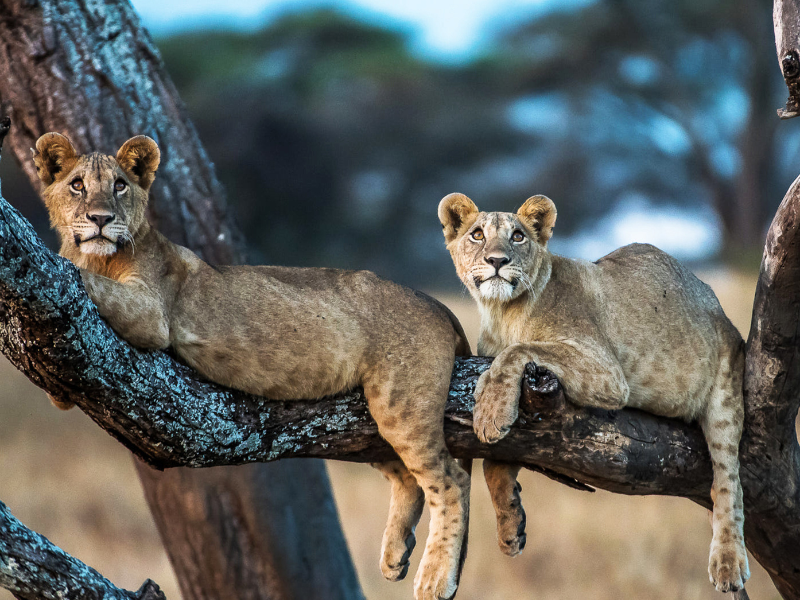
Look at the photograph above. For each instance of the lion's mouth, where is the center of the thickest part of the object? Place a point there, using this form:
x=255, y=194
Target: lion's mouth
x=98, y=236
x=479, y=282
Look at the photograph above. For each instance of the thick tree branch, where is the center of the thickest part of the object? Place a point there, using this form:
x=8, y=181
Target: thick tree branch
x=769, y=452
x=32, y=568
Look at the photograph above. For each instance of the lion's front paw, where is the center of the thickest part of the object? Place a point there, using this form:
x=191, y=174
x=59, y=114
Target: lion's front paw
x=394, y=562
x=436, y=579
x=727, y=567
x=496, y=405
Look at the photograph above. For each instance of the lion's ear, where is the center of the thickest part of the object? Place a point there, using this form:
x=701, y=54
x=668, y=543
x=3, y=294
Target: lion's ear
x=139, y=157
x=54, y=157
x=539, y=214
x=456, y=212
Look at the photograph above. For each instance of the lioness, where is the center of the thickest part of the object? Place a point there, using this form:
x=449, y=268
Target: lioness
x=632, y=329
x=278, y=332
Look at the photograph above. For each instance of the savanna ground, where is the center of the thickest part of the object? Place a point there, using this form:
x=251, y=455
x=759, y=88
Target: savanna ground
x=65, y=478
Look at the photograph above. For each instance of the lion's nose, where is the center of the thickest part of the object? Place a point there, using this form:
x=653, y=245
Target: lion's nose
x=101, y=218
x=497, y=261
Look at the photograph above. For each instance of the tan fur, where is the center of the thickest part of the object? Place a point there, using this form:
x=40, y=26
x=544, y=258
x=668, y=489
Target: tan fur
x=632, y=329
x=278, y=332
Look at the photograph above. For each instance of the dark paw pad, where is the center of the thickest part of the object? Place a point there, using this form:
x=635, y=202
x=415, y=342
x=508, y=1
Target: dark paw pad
x=411, y=542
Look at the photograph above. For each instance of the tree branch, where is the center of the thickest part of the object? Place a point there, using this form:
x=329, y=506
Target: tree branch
x=769, y=451
x=32, y=568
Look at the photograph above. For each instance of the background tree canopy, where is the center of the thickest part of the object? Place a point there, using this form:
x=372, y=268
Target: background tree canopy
x=336, y=141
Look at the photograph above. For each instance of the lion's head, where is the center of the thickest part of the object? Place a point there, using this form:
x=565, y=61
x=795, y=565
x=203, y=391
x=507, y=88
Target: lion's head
x=497, y=254
x=96, y=202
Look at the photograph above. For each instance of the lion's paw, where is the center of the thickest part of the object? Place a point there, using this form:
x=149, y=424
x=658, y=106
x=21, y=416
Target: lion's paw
x=436, y=579
x=728, y=569
x=511, y=535
x=396, y=554
x=496, y=406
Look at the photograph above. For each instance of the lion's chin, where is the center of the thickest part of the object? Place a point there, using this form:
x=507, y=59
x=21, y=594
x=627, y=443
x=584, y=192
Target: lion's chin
x=497, y=290
x=98, y=247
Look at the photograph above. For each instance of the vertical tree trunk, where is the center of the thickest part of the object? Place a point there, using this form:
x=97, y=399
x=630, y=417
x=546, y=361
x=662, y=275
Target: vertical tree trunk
x=88, y=69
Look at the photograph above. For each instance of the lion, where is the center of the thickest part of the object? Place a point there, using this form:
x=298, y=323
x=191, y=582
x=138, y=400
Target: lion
x=634, y=328
x=277, y=332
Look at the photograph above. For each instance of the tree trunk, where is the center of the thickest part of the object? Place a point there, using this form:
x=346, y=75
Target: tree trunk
x=772, y=398
x=89, y=70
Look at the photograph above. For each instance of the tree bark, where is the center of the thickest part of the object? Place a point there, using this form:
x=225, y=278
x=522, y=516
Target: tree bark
x=54, y=334
x=89, y=70
x=772, y=399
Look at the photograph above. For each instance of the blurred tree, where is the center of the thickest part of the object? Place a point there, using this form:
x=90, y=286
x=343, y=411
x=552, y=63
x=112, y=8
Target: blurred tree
x=335, y=141
x=675, y=101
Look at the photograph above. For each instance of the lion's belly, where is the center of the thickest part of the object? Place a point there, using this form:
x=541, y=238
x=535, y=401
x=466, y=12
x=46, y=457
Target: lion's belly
x=269, y=371
x=670, y=363
x=269, y=344
x=667, y=330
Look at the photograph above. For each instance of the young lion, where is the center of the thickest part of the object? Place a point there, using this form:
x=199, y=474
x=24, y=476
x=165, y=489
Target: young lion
x=278, y=332
x=633, y=329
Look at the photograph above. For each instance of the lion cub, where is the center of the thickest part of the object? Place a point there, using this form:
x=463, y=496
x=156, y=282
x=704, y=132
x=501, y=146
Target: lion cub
x=632, y=329
x=278, y=332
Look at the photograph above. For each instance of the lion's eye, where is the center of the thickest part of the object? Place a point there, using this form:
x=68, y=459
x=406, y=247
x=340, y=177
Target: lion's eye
x=477, y=235
x=77, y=185
x=517, y=236
x=120, y=185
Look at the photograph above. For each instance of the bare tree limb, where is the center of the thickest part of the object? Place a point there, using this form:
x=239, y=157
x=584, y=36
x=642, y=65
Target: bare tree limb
x=769, y=451
x=32, y=568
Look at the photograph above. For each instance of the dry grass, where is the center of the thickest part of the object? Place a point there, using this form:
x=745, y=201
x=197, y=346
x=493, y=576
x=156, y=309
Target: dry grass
x=64, y=477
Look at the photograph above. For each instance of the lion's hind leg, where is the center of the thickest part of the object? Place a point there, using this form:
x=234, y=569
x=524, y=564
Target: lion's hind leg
x=409, y=409
x=722, y=425
x=501, y=479
x=405, y=510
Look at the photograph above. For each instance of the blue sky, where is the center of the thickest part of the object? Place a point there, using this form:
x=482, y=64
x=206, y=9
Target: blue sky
x=441, y=29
